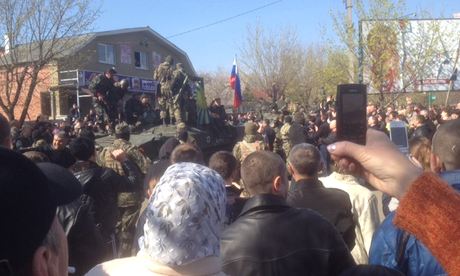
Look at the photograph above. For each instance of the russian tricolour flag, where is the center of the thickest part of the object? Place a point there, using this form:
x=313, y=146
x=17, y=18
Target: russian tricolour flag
x=236, y=86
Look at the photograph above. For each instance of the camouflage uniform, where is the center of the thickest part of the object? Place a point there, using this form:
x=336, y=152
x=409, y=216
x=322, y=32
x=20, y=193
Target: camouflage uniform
x=106, y=109
x=181, y=92
x=252, y=141
x=250, y=144
x=164, y=74
x=278, y=144
x=284, y=134
x=129, y=199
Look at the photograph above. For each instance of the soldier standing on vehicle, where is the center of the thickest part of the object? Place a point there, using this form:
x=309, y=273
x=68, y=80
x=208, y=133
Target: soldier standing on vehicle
x=181, y=92
x=101, y=86
x=164, y=75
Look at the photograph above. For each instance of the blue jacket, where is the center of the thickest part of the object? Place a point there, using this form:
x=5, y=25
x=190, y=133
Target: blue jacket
x=417, y=258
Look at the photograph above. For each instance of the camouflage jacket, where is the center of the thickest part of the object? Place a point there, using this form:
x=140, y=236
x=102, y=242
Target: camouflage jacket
x=101, y=85
x=284, y=132
x=134, y=154
x=249, y=144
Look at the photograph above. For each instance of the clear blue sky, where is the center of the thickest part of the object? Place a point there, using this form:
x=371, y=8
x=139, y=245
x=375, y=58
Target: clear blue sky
x=215, y=46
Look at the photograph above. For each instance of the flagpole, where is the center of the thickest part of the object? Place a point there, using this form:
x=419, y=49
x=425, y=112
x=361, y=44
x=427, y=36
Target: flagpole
x=235, y=110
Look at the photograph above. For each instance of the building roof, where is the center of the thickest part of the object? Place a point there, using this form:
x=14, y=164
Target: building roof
x=62, y=47
x=70, y=45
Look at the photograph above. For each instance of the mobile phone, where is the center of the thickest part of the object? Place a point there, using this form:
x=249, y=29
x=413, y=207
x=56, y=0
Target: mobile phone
x=398, y=135
x=351, y=113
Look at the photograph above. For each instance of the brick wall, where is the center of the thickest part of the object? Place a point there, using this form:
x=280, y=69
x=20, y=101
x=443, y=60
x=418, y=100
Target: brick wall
x=47, y=77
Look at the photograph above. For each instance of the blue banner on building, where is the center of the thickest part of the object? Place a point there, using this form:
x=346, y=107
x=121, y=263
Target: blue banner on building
x=135, y=84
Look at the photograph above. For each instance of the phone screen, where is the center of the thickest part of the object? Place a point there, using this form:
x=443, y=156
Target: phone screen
x=352, y=105
x=399, y=136
x=352, y=121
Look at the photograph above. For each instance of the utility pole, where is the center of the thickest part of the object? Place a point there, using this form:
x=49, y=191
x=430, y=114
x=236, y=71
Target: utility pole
x=351, y=55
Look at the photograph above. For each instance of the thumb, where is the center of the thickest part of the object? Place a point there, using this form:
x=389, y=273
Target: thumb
x=347, y=149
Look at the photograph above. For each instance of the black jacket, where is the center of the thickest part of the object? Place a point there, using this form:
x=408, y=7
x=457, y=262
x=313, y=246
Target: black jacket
x=269, y=137
x=333, y=204
x=87, y=247
x=63, y=158
x=102, y=185
x=272, y=238
x=323, y=131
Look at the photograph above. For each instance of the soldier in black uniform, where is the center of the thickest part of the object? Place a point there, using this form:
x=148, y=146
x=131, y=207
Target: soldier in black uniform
x=102, y=86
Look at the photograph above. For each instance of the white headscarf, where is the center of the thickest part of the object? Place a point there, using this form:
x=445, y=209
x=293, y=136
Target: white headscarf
x=185, y=215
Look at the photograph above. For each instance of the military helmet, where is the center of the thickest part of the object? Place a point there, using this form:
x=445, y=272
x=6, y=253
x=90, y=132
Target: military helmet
x=250, y=128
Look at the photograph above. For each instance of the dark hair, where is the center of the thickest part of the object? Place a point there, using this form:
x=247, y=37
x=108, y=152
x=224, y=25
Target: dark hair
x=182, y=136
x=305, y=159
x=82, y=148
x=224, y=163
x=187, y=153
x=446, y=144
x=420, y=118
x=259, y=169
x=299, y=118
x=5, y=129
x=403, y=118
x=394, y=114
x=87, y=133
x=288, y=119
x=155, y=171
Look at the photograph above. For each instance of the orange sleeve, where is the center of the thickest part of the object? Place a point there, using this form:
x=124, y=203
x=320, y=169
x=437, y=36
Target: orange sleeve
x=431, y=211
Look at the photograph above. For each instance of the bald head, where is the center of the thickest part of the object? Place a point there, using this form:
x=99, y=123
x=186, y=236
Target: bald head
x=446, y=144
x=260, y=169
x=305, y=159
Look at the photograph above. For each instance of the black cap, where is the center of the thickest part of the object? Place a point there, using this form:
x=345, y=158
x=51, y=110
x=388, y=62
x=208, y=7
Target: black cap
x=29, y=196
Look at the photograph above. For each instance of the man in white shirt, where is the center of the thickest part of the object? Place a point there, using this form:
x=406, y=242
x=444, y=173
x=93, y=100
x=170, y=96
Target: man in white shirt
x=365, y=211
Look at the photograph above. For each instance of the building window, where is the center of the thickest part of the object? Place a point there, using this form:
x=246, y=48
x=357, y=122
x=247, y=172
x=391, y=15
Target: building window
x=140, y=60
x=106, y=53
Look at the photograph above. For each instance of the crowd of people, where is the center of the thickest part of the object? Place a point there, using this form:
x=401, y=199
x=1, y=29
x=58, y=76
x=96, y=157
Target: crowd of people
x=289, y=200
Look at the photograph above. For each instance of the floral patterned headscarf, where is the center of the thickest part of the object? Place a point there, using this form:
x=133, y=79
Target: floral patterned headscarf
x=185, y=215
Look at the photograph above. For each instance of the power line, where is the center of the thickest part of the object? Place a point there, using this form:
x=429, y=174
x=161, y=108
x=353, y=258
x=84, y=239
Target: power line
x=224, y=20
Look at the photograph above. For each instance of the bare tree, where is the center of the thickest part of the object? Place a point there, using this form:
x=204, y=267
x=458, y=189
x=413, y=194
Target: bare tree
x=217, y=85
x=272, y=63
x=37, y=33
